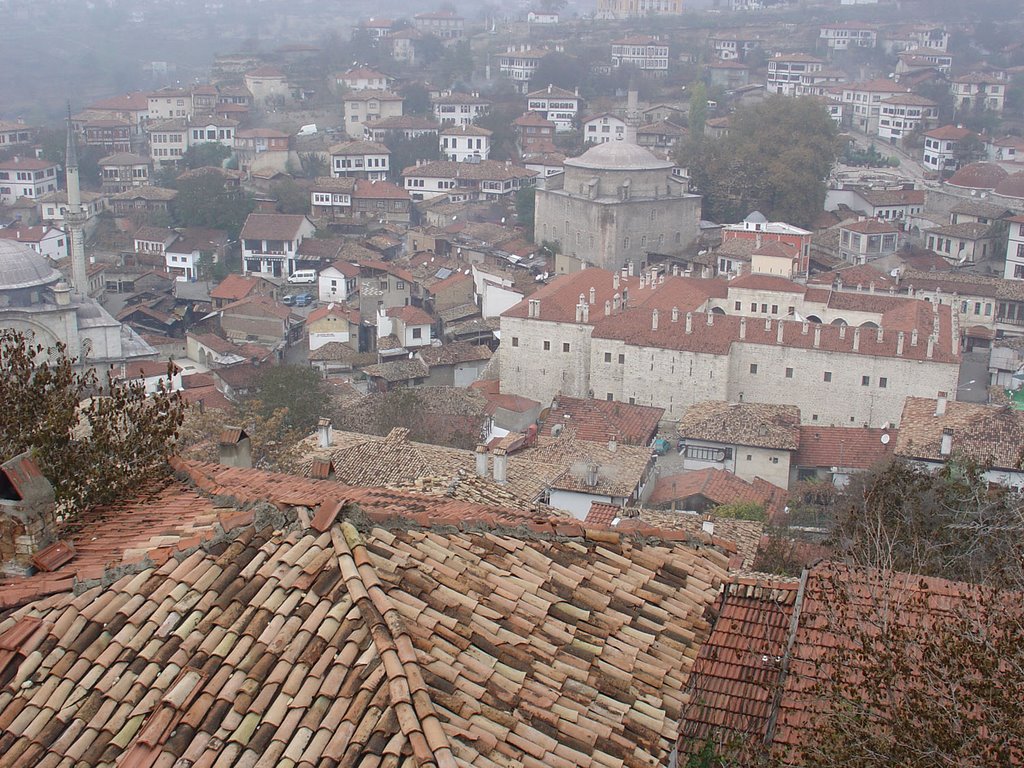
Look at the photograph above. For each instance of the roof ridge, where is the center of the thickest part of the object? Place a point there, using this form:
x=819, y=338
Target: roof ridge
x=407, y=690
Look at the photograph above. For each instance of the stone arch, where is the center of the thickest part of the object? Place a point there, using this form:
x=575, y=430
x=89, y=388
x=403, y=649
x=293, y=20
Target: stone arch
x=839, y=322
x=869, y=325
x=814, y=319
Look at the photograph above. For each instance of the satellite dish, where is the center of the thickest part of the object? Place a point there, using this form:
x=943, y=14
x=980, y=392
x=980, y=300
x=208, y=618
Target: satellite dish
x=885, y=439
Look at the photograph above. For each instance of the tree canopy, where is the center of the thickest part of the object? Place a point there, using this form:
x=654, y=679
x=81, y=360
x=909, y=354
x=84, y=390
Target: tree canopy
x=95, y=441
x=776, y=158
x=203, y=201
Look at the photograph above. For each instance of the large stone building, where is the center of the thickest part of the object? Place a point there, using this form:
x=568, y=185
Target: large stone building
x=671, y=342
x=615, y=203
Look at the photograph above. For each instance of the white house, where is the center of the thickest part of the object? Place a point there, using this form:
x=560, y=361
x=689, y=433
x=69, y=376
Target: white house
x=331, y=323
x=168, y=140
x=410, y=324
x=47, y=241
x=464, y=142
x=845, y=35
x=219, y=130
x=644, y=52
x=367, y=106
x=152, y=374
x=864, y=99
x=519, y=64
x=542, y=17
x=556, y=105
x=979, y=90
x=1014, y=269
x=169, y=103
x=270, y=242
x=331, y=196
x=337, y=282
x=26, y=177
x=184, y=254
x=786, y=72
x=361, y=159
x=364, y=78
x=459, y=108
x=941, y=147
x=483, y=180
x=603, y=128
x=901, y=115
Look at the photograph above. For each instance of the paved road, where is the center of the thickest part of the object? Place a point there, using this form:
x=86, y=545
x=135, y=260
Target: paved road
x=973, y=384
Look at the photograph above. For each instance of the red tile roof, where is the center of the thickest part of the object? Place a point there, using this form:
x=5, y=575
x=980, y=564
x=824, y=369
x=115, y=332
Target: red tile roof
x=379, y=190
x=272, y=226
x=601, y=420
x=849, y=447
x=978, y=176
x=410, y=315
x=718, y=487
x=234, y=287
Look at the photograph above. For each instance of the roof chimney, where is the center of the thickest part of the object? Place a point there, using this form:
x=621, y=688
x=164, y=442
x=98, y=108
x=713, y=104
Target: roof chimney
x=881, y=335
x=654, y=319
x=607, y=307
x=711, y=318
x=689, y=322
x=323, y=433
x=675, y=314
x=940, y=404
x=817, y=336
x=593, y=294
x=913, y=337
x=500, y=465
x=946, y=445
x=856, y=339
x=615, y=281
x=26, y=515
x=899, y=343
x=235, y=448
x=779, y=331
x=481, y=460
x=931, y=348
x=743, y=327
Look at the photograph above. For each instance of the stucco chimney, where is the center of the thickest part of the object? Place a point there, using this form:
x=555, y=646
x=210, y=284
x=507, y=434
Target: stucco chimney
x=323, y=433
x=779, y=332
x=612, y=445
x=881, y=335
x=675, y=314
x=940, y=404
x=27, y=523
x=743, y=327
x=913, y=337
x=643, y=278
x=586, y=313
x=856, y=339
x=842, y=331
x=946, y=444
x=235, y=448
x=767, y=324
x=899, y=343
x=593, y=294
x=654, y=319
x=931, y=348
x=615, y=280
x=481, y=460
x=817, y=336
x=500, y=465
x=607, y=307
x=871, y=287
x=689, y=322
x=711, y=318
x=804, y=327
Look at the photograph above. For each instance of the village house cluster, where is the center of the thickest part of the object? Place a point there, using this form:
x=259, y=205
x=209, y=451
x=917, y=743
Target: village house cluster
x=616, y=398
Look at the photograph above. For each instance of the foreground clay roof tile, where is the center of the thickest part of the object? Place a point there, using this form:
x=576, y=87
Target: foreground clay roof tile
x=314, y=636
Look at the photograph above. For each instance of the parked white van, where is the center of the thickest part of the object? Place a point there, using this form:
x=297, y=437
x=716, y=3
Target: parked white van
x=302, y=276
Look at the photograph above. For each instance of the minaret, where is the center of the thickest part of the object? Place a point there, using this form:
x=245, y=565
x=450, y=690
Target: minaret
x=74, y=219
x=632, y=113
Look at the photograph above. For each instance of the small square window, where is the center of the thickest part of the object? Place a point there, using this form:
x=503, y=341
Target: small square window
x=417, y=333
x=749, y=457
x=753, y=306
x=738, y=306
x=764, y=308
x=607, y=357
x=828, y=375
x=565, y=346
x=775, y=309
x=622, y=359
x=865, y=381
x=632, y=401
x=547, y=346
x=814, y=417
x=775, y=459
x=609, y=397
x=515, y=341
x=883, y=382
x=753, y=367
x=789, y=373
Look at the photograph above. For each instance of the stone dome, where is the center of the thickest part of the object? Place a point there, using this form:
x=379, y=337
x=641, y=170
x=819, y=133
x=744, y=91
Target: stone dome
x=21, y=267
x=619, y=156
x=978, y=176
x=1011, y=186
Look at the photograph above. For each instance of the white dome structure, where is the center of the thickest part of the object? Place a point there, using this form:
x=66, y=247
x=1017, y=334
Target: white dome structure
x=21, y=267
x=619, y=156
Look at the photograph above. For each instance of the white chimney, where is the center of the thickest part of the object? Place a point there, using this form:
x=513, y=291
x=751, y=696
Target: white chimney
x=689, y=322
x=654, y=319
x=708, y=526
x=743, y=327
x=500, y=465
x=711, y=318
x=607, y=307
x=323, y=432
x=615, y=281
x=946, y=446
x=856, y=339
x=481, y=460
x=940, y=404
x=612, y=445
x=675, y=314
x=913, y=337
x=899, y=344
x=817, y=336
x=593, y=294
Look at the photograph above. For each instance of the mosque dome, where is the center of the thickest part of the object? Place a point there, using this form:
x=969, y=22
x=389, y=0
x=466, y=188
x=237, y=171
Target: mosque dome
x=619, y=156
x=21, y=267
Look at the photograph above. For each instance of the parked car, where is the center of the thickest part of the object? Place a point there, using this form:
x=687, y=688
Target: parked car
x=303, y=299
x=288, y=301
x=302, y=276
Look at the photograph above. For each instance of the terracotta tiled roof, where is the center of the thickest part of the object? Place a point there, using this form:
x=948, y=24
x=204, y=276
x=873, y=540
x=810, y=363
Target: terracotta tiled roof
x=978, y=176
x=949, y=132
x=602, y=515
x=755, y=424
x=335, y=310
x=985, y=433
x=379, y=190
x=485, y=170
x=397, y=370
x=745, y=534
x=620, y=468
x=717, y=486
x=870, y=227
x=850, y=447
x=884, y=197
x=410, y=315
x=272, y=226
x=735, y=677
x=761, y=282
x=261, y=305
x=601, y=420
x=455, y=352
x=359, y=147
